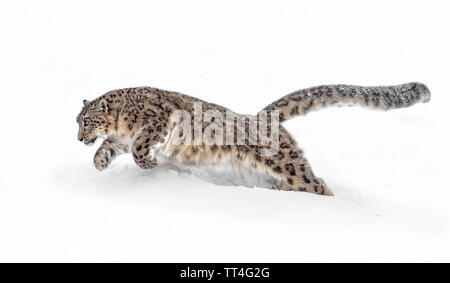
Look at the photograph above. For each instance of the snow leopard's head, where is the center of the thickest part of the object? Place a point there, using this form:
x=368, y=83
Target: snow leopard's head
x=94, y=121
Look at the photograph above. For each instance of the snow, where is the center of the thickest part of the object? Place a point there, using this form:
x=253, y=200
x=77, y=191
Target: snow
x=388, y=169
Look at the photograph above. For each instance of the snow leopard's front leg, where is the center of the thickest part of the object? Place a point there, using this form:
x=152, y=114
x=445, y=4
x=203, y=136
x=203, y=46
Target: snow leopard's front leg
x=144, y=146
x=107, y=152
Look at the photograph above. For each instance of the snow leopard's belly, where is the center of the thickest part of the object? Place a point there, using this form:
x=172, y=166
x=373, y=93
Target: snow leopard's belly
x=225, y=172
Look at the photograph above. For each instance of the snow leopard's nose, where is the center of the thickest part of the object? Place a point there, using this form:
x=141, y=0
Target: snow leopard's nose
x=80, y=139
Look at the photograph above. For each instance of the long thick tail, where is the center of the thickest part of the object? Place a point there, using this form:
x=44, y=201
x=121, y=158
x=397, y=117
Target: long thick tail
x=381, y=97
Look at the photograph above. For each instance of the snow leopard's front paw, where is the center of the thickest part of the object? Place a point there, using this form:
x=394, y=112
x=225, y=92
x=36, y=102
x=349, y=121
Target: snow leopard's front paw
x=101, y=159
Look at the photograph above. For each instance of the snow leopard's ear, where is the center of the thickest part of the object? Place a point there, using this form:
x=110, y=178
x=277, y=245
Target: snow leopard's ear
x=103, y=106
x=86, y=102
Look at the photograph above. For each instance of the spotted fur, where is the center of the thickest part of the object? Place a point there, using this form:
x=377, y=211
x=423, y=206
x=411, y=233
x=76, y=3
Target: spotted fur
x=141, y=121
x=385, y=98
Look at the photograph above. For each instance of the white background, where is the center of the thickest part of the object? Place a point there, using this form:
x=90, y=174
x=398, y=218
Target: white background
x=389, y=170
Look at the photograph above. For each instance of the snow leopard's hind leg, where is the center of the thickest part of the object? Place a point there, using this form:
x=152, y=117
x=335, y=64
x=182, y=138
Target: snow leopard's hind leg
x=297, y=174
x=291, y=167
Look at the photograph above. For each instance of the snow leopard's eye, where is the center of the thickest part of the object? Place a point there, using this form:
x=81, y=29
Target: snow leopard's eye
x=86, y=123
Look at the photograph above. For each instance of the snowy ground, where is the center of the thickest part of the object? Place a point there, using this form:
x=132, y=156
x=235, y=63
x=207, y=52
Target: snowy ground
x=388, y=169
